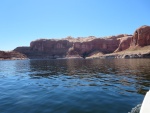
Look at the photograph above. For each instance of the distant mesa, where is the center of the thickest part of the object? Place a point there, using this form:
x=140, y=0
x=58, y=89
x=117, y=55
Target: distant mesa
x=119, y=46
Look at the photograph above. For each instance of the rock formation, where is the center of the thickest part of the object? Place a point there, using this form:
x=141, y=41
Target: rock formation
x=141, y=37
x=124, y=43
x=85, y=46
x=11, y=55
x=81, y=47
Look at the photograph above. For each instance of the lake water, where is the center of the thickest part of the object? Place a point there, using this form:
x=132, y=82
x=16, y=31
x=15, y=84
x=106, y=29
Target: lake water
x=73, y=85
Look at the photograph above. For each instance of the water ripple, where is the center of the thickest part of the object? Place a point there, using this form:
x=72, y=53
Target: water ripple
x=73, y=85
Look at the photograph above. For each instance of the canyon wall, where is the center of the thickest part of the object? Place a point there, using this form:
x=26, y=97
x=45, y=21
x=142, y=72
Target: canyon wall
x=85, y=46
x=81, y=47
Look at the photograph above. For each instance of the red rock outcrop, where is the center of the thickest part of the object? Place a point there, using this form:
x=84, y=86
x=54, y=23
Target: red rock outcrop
x=85, y=46
x=124, y=43
x=103, y=45
x=50, y=48
x=81, y=46
x=141, y=37
x=11, y=55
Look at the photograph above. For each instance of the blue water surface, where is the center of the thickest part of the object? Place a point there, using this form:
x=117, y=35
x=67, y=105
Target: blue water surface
x=73, y=85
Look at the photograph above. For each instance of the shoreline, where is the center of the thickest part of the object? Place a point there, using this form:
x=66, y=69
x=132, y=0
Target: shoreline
x=106, y=56
x=131, y=53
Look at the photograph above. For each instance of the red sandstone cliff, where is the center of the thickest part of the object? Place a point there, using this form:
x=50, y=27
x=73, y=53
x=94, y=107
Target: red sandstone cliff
x=141, y=37
x=85, y=46
x=50, y=48
x=124, y=43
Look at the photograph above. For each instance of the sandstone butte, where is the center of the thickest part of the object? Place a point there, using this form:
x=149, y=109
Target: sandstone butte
x=120, y=46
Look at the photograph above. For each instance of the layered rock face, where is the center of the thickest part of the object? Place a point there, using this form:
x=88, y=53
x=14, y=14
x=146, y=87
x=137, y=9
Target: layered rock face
x=81, y=46
x=103, y=45
x=11, y=55
x=50, y=48
x=124, y=43
x=141, y=37
x=85, y=46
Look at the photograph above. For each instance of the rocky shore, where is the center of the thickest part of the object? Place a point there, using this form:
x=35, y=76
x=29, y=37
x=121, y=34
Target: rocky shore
x=12, y=55
x=138, y=52
x=125, y=56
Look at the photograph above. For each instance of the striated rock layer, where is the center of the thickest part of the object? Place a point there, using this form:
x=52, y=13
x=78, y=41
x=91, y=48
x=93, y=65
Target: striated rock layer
x=68, y=47
x=85, y=46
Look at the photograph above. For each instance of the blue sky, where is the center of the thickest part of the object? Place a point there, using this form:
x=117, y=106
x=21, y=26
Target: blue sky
x=22, y=21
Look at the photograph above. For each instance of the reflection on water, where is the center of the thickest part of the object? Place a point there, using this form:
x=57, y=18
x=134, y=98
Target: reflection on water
x=73, y=85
